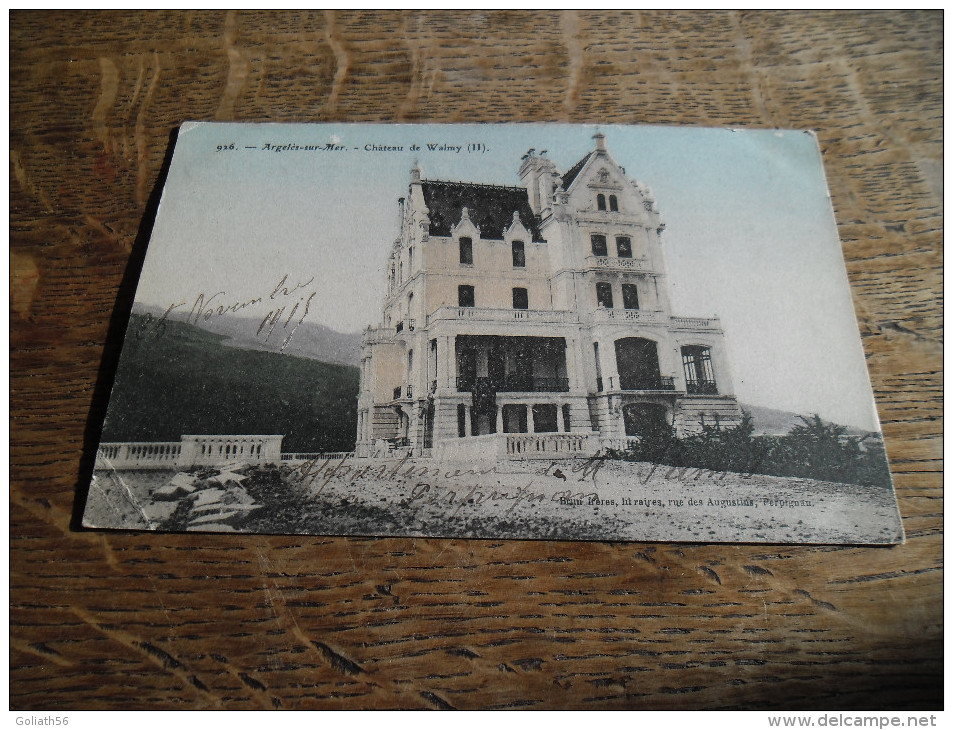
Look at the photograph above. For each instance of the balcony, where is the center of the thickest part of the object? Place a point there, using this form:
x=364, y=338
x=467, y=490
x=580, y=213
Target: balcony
x=607, y=263
x=701, y=387
x=407, y=391
x=663, y=382
x=640, y=316
x=697, y=323
x=480, y=314
x=518, y=384
x=378, y=335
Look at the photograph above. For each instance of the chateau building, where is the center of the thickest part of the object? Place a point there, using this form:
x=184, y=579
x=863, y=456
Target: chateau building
x=534, y=321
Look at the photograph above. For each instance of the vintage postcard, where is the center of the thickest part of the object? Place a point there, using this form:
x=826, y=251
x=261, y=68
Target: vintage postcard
x=530, y=331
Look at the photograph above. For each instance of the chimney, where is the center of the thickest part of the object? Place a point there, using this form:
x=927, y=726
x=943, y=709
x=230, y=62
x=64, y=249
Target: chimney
x=600, y=141
x=537, y=173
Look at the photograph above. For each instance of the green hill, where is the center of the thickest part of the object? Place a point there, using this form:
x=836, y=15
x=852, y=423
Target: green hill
x=176, y=379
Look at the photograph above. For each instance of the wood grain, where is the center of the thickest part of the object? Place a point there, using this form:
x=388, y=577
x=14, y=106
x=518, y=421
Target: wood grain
x=187, y=621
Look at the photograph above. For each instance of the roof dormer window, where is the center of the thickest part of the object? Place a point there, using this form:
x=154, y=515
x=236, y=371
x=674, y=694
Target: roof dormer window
x=613, y=203
x=601, y=201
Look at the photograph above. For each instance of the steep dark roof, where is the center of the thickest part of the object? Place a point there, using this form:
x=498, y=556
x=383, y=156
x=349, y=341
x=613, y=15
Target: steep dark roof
x=490, y=207
x=574, y=170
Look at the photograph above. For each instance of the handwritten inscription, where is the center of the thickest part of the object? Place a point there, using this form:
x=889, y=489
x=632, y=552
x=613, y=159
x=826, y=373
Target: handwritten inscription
x=288, y=304
x=494, y=489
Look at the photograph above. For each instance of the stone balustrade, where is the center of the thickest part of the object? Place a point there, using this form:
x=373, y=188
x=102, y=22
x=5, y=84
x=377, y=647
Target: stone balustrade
x=546, y=445
x=616, y=262
x=190, y=451
x=482, y=314
x=642, y=316
x=697, y=323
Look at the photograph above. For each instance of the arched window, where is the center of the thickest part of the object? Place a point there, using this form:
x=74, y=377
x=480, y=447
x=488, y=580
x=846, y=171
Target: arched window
x=601, y=201
x=638, y=365
x=699, y=374
x=613, y=203
x=645, y=420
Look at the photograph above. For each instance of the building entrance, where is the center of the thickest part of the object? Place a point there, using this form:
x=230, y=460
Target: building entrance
x=645, y=420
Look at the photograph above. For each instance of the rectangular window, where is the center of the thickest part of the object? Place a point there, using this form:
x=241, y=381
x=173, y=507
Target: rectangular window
x=519, y=254
x=623, y=245
x=465, y=296
x=604, y=294
x=520, y=298
x=630, y=296
x=699, y=375
x=599, y=245
x=466, y=251
x=613, y=203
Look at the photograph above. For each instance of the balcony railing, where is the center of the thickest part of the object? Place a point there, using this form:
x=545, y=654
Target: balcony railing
x=375, y=335
x=701, y=387
x=519, y=384
x=663, y=382
x=479, y=314
x=403, y=391
x=644, y=316
x=616, y=262
x=697, y=323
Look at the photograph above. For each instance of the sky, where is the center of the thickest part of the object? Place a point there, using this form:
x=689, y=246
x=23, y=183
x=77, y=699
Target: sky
x=750, y=233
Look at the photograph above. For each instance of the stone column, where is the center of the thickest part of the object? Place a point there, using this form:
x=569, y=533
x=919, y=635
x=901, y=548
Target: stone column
x=530, y=421
x=467, y=429
x=450, y=358
x=499, y=419
x=571, y=369
x=560, y=423
x=610, y=368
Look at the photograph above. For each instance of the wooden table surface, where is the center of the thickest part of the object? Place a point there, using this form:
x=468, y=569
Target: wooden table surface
x=192, y=621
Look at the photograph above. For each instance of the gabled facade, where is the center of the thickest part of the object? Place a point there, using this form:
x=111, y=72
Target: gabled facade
x=539, y=310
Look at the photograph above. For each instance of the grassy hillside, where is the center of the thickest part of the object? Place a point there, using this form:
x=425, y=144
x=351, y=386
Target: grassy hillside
x=175, y=379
